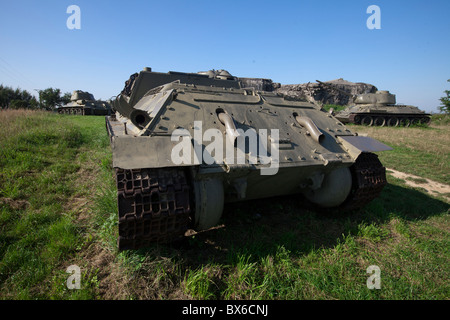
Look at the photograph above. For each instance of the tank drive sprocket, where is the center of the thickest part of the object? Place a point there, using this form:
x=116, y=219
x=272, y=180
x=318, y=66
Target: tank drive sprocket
x=368, y=180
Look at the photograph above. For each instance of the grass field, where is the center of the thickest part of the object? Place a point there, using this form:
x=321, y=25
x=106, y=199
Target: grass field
x=58, y=208
x=421, y=151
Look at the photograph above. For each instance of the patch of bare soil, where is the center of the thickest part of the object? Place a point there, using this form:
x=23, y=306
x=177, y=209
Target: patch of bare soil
x=15, y=204
x=432, y=187
x=113, y=283
x=81, y=201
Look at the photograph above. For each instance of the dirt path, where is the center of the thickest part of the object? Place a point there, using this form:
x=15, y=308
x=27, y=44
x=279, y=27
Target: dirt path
x=432, y=187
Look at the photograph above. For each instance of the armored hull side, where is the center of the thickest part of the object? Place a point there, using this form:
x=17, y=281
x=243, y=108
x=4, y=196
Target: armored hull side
x=183, y=150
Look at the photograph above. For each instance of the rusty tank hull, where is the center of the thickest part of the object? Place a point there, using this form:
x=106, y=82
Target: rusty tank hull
x=185, y=144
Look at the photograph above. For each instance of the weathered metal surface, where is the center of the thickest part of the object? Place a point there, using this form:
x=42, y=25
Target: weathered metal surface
x=357, y=144
x=279, y=146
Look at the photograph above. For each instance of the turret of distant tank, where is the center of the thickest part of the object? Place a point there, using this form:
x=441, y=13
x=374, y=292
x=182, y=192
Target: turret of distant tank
x=84, y=103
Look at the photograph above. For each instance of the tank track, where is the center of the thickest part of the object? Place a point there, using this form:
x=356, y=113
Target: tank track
x=389, y=120
x=369, y=179
x=74, y=111
x=154, y=206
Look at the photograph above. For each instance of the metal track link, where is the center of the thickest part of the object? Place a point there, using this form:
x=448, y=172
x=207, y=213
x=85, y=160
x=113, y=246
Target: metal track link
x=154, y=206
x=369, y=179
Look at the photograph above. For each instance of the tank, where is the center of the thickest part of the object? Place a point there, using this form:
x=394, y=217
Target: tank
x=379, y=109
x=84, y=103
x=186, y=144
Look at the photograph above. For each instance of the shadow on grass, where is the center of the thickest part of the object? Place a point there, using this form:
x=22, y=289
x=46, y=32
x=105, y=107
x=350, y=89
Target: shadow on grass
x=258, y=228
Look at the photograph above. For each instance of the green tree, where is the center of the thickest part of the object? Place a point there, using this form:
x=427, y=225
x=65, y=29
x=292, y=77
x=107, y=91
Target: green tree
x=50, y=98
x=445, y=102
x=66, y=98
x=16, y=98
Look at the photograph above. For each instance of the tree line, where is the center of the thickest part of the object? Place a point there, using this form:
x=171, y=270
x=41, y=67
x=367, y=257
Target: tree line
x=49, y=98
x=445, y=102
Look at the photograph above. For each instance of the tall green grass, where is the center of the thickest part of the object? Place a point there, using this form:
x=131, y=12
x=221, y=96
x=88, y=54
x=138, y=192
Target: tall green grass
x=42, y=156
x=335, y=107
x=36, y=179
x=422, y=151
x=292, y=254
x=58, y=207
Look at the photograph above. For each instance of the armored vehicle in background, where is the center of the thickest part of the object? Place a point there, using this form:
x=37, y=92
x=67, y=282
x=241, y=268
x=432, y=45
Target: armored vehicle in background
x=83, y=103
x=184, y=144
x=379, y=109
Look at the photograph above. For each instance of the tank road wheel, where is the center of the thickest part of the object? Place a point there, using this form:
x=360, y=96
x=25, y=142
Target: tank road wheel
x=379, y=121
x=348, y=189
x=393, y=122
x=357, y=119
x=335, y=188
x=425, y=120
x=367, y=121
x=414, y=122
x=154, y=206
x=404, y=122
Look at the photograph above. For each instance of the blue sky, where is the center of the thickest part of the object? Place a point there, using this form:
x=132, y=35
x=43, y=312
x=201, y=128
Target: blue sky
x=286, y=41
